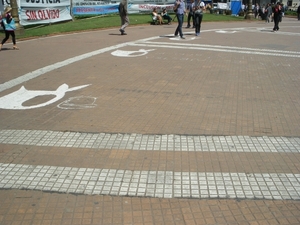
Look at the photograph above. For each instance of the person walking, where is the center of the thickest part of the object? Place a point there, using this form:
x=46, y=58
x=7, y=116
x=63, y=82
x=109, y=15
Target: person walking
x=8, y=24
x=198, y=12
x=268, y=13
x=298, y=12
x=124, y=16
x=179, y=7
x=189, y=8
x=276, y=16
x=256, y=10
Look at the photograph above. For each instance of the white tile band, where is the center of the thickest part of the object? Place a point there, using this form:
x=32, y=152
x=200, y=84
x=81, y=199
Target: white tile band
x=169, y=142
x=162, y=184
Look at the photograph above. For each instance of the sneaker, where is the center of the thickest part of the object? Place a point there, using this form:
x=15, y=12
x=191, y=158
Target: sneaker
x=182, y=37
x=197, y=34
x=188, y=26
x=122, y=31
x=176, y=35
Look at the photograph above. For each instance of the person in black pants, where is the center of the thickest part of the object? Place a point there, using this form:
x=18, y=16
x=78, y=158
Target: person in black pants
x=198, y=15
x=191, y=14
x=9, y=27
x=276, y=16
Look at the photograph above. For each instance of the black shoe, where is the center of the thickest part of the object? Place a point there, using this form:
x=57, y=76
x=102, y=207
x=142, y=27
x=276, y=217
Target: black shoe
x=122, y=31
x=188, y=26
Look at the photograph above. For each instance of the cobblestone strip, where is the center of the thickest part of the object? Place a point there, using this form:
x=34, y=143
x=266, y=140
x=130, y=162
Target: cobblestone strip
x=170, y=142
x=162, y=184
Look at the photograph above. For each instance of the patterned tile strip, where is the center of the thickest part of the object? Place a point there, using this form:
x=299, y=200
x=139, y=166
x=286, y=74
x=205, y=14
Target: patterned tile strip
x=162, y=184
x=169, y=142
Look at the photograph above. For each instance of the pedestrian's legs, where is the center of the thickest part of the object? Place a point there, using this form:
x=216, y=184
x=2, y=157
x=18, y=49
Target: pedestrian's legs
x=200, y=21
x=178, y=30
x=197, y=23
x=189, y=20
x=180, y=18
x=193, y=20
x=5, y=38
x=13, y=36
x=276, y=22
x=125, y=22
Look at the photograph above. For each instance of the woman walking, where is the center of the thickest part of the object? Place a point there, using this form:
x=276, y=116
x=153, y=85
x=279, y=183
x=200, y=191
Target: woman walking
x=276, y=16
x=9, y=27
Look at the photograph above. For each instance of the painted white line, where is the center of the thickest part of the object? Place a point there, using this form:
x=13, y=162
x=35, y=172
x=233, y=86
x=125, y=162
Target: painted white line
x=46, y=69
x=141, y=142
x=221, y=47
x=161, y=184
x=250, y=52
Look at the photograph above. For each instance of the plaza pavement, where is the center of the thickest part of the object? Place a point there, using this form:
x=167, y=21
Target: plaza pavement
x=148, y=128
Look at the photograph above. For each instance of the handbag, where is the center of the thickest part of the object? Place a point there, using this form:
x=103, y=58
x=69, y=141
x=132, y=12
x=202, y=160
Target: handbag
x=11, y=25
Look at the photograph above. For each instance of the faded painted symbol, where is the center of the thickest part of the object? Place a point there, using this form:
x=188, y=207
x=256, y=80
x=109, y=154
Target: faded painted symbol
x=121, y=53
x=80, y=102
x=16, y=99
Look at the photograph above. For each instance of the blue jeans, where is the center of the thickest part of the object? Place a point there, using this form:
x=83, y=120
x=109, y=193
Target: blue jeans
x=180, y=18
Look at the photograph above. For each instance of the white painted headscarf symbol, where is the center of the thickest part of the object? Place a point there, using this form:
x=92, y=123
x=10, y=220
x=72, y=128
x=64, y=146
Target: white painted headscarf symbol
x=122, y=53
x=16, y=99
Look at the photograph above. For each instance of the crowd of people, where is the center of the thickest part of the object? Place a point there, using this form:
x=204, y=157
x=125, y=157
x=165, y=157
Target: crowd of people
x=272, y=12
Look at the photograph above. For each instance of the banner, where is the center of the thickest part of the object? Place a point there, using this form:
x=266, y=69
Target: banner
x=113, y=8
x=30, y=16
x=44, y=3
x=95, y=10
x=44, y=11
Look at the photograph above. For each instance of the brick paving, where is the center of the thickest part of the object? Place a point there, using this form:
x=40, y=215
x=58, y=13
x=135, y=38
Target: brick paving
x=237, y=81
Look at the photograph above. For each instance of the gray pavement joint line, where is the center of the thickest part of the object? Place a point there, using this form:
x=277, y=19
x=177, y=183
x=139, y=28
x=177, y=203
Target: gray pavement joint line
x=216, y=50
x=159, y=184
x=223, y=47
x=170, y=142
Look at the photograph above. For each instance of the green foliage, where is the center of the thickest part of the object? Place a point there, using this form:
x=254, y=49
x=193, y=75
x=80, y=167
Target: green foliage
x=100, y=22
x=290, y=13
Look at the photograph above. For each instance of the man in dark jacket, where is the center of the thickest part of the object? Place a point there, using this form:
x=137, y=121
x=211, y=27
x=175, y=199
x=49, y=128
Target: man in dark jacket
x=124, y=16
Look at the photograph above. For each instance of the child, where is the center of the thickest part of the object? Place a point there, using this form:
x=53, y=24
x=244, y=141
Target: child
x=9, y=27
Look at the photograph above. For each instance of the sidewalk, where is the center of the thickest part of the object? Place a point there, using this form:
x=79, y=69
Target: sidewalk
x=151, y=129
